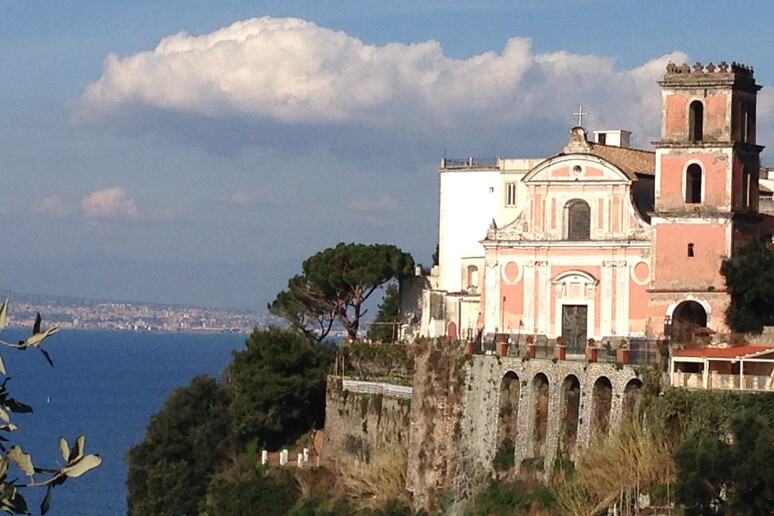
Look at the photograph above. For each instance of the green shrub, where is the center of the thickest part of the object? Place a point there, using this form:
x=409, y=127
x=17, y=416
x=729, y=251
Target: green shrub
x=504, y=458
x=267, y=492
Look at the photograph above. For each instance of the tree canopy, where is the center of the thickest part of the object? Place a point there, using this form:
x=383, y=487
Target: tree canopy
x=729, y=475
x=750, y=282
x=184, y=444
x=279, y=386
x=335, y=283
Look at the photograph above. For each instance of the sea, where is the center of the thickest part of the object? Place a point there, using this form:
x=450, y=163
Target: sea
x=105, y=385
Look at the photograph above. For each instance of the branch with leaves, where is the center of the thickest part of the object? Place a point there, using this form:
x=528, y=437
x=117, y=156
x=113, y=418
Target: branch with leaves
x=75, y=461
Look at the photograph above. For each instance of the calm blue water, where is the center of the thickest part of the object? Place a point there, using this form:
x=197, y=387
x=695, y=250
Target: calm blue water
x=106, y=385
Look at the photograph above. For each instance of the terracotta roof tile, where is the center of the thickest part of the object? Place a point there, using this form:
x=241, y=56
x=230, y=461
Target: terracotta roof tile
x=630, y=161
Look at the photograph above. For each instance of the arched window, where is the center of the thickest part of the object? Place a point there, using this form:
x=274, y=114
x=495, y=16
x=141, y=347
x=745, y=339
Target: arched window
x=696, y=121
x=472, y=276
x=578, y=220
x=693, y=184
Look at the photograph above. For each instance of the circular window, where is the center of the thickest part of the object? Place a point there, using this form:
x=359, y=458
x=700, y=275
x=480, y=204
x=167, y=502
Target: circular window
x=577, y=170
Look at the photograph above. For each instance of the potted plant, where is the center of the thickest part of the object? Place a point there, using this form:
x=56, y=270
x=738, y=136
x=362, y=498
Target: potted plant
x=622, y=353
x=531, y=347
x=592, y=351
x=560, y=350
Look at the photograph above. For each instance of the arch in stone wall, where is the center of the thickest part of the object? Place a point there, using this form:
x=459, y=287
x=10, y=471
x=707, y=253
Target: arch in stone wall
x=540, y=413
x=631, y=397
x=570, y=412
x=508, y=413
x=601, y=404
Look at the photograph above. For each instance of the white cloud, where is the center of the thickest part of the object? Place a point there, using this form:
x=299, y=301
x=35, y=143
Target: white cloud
x=291, y=71
x=110, y=203
x=52, y=205
x=244, y=198
x=384, y=204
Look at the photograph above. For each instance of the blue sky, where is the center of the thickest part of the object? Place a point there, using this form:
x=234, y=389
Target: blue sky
x=196, y=152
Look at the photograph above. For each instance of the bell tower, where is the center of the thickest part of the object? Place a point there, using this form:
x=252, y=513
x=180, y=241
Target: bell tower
x=706, y=192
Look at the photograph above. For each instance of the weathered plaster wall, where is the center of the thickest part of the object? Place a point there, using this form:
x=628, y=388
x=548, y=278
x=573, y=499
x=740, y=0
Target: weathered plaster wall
x=358, y=424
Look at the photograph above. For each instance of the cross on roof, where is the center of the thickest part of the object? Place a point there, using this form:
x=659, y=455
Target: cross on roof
x=580, y=114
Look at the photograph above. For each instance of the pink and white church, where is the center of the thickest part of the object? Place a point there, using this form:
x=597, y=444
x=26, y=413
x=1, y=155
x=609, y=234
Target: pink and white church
x=602, y=240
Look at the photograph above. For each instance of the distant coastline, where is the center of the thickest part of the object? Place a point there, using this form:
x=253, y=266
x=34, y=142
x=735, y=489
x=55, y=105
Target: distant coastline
x=88, y=314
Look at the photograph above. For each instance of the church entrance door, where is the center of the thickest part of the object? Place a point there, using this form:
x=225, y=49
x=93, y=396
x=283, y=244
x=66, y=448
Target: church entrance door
x=574, y=325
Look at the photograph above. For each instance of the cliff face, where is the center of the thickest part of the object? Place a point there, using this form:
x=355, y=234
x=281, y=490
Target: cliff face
x=465, y=416
x=357, y=424
x=440, y=373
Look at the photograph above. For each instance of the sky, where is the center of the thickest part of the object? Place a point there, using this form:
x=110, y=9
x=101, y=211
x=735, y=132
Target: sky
x=196, y=152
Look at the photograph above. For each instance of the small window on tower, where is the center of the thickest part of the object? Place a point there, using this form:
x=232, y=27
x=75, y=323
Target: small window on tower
x=690, y=250
x=745, y=187
x=510, y=194
x=750, y=129
x=696, y=121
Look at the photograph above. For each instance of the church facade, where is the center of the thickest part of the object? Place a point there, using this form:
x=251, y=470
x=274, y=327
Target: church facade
x=603, y=241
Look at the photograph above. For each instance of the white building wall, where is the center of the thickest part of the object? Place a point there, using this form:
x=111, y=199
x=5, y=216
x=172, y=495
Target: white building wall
x=470, y=198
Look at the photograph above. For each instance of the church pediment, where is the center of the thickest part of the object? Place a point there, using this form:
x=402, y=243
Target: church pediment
x=576, y=168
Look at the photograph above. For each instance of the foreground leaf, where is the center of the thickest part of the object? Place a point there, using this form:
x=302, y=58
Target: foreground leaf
x=23, y=460
x=46, y=503
x=77, y=450
x=4, y=316
x=64, y=448
x=84, y=464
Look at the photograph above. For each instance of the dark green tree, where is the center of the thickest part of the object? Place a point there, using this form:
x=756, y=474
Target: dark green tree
x=279, y=386
x=384, y=327
x=722, y=475
x=335, y=283
x=302, y=311
x=749, y=279
x=184, y=444
x=702, y=474
x=265, y=492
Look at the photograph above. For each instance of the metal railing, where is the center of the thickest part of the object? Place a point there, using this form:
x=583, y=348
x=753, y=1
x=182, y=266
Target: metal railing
x=639, y=351
x=468, y=162
x=385, y=389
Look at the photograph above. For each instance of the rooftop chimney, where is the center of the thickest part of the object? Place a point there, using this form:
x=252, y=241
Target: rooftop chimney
x=615, y=138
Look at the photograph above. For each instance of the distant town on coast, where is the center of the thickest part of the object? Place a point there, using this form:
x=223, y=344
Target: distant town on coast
x=77, y=313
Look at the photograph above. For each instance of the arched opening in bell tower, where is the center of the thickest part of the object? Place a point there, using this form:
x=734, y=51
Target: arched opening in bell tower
x=693, y=182
x=696, y=121
x=687, y=317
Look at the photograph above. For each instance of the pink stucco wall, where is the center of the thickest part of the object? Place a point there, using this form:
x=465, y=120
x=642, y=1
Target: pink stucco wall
x=716, y=117
x=540, y=311
x=672, y=186
x=675, y=269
